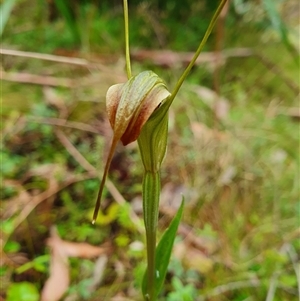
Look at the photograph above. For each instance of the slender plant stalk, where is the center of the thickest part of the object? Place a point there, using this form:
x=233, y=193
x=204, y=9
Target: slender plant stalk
x=152, y=143
x=127, y=53
x=151, y=193
x=200, y=48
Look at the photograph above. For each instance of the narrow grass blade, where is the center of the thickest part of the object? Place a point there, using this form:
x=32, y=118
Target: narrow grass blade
x=163, y=253
x=278, y=24
x=5, y=10
x=65, y=11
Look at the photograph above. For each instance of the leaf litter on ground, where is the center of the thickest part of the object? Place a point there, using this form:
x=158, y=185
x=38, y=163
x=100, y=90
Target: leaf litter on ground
x=59, y=279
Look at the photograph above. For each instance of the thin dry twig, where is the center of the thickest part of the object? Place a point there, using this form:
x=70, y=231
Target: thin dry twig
x=52, y=58
x=43, y=80
x=154, y=55
x=74, y=152
x=64, y=123
x=169, y=58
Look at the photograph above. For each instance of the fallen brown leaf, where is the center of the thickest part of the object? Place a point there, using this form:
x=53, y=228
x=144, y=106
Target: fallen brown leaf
x=58, y=281
x=82, y=250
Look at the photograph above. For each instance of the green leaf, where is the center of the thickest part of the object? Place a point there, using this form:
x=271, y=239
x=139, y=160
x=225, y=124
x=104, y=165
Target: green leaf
x=12, y=247
x=23, y=291
x=163, y=253
x=39, y=264
x=8, y=226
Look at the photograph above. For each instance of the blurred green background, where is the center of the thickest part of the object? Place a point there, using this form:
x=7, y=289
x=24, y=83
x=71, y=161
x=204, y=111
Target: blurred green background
x=233, y=147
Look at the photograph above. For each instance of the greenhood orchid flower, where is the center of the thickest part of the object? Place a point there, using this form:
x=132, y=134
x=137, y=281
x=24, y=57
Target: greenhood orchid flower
x=129, y=106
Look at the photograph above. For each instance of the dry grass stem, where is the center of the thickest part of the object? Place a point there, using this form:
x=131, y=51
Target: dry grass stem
x=64, y=123
x=27, y=78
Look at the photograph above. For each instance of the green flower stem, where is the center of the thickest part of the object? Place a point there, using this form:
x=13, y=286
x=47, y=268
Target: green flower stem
x=198, y=51
x=152, y=144
x=127, y=53
x=151, y=192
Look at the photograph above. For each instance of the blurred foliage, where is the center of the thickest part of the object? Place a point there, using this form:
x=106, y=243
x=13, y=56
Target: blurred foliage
x=239, y=173
x=22, y=291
